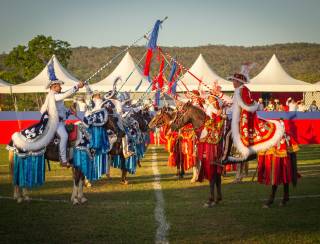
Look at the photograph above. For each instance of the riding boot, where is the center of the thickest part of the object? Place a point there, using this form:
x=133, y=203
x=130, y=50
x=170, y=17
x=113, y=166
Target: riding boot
x=272, y=196
x=285, y=194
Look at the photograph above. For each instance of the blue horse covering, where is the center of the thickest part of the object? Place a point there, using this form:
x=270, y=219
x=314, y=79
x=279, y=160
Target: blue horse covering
x=100, y=143
x=29, y=171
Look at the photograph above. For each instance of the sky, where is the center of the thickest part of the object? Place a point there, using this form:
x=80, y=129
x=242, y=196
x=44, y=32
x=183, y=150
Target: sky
x=101, y=23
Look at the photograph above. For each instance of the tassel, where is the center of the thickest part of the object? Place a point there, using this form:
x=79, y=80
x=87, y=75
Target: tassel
x=154, y=83
x=172, y=72
x=157, y=98
x=148, y=62
x=152, y=44
x=174, y=84
x=160, y=76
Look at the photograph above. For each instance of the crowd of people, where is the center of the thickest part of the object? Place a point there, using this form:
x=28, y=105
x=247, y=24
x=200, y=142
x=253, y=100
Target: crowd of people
x=290, y=106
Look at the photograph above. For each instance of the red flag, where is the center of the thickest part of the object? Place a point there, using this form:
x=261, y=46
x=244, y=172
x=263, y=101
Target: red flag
x=160, y=76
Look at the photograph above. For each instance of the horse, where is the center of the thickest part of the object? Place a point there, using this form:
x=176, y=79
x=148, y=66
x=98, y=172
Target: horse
x=51, y=153
x=175, y=143
x=190, y=114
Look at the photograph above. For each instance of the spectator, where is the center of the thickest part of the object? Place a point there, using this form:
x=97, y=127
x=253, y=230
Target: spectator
x=301, y=107
x=277, y=104
x=270, y=106
x=291, y=104
x=313, y=107
x=260, y=104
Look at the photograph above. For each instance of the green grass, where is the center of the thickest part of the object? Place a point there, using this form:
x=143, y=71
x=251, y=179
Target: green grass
x=125, y=214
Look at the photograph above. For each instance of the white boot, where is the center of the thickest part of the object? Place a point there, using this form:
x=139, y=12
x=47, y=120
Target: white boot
x=81, y=198
x=25, y=195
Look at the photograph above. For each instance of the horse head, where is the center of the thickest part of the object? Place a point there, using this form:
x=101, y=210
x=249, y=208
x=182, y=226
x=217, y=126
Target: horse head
x=188, y=113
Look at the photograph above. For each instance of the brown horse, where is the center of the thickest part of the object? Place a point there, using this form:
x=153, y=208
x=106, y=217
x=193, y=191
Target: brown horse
x=197, y=117
x=163, y=118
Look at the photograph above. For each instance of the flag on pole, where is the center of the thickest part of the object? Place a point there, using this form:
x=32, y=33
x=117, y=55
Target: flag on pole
x=152, y=44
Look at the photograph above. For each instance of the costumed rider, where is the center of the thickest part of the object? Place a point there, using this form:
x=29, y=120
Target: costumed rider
x=124, y=98
x=54, y=86
x=250, y=134
x=96, y=101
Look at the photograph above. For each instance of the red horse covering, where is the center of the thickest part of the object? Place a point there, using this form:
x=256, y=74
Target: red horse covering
x=275, y=165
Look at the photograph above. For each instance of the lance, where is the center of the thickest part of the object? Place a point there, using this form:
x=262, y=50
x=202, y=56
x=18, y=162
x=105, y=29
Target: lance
x=119, y=54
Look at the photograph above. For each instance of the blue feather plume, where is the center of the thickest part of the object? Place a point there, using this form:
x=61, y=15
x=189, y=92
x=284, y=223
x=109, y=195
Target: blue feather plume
x=51, y=73
x=173, y=70
x=152, y=44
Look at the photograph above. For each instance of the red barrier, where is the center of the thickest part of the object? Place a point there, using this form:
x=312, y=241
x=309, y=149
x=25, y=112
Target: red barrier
x=304, y=131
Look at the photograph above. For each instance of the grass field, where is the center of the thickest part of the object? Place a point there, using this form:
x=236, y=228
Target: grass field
x=125, y=214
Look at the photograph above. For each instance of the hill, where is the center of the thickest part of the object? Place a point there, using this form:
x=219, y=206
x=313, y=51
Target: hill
x=300, y=60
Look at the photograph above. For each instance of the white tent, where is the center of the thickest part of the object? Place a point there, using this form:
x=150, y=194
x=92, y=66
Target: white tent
x=202, y=70
x=273, y=78
x=130, y=75
x=38, y=83
x=4, y=87
x=317, y=86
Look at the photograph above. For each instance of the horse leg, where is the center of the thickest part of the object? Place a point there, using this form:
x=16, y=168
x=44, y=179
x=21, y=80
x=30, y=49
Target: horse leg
x=17, y=194
x=218, y=185
x=239, y=176
x=25, y=195
x=108, y=167
x=80, y=196
x=210, y=203
x=272, y=196
x=124, y=177
x=285, y=198
x=76, y=179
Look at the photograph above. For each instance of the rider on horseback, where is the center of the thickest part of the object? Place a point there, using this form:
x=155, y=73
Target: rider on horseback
x=54, y=84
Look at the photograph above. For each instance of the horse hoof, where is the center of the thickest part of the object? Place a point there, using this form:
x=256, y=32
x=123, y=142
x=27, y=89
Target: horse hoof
x=87, y=184
x=209, y=204
x=83, y=200
x=75, y=202
x=27, y=199
x=19, y=200
x=124, y=182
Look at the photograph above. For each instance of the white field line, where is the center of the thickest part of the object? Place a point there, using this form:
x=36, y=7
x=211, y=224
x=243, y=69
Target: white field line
x=159, y=212
x=143, y=203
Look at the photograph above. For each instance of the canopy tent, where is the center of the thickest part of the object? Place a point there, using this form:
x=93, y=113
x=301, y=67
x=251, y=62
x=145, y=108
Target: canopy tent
x=5, y=87
x=202, y=70
x=317, y=86
x=38, y=83
x=273, y=78
x=130, y=75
